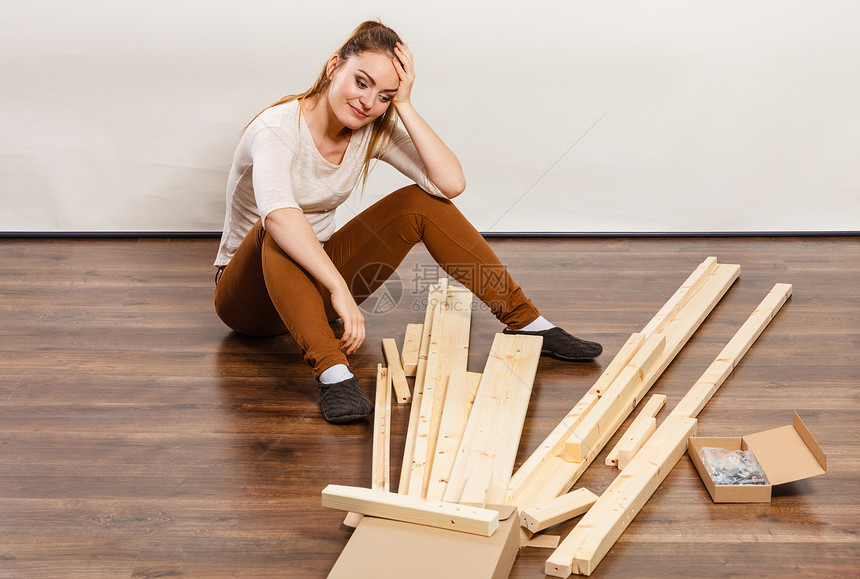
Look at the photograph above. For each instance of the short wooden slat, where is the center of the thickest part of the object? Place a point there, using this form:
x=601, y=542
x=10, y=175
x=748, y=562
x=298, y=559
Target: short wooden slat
x=635, y=439
x=650, y=410
x=558, y=510
x=411, y=348
x=395, y=371
x=465, y=519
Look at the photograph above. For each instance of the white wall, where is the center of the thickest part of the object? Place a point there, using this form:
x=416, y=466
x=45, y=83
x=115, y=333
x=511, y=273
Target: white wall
x=718, y=116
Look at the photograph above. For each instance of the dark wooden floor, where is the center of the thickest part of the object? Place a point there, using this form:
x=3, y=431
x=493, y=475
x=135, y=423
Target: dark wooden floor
x=139, y=437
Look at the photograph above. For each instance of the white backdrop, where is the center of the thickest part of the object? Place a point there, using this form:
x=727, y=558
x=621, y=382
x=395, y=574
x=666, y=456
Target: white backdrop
x=635, y=116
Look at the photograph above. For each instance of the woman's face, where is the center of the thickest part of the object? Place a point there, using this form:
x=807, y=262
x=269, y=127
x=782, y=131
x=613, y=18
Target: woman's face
x=361, y=88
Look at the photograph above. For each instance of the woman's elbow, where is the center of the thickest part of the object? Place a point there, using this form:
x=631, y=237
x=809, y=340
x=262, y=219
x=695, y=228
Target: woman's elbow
x=455, y=188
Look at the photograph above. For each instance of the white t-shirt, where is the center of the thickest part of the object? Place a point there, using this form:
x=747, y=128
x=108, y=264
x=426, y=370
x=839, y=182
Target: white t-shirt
x=277, y=165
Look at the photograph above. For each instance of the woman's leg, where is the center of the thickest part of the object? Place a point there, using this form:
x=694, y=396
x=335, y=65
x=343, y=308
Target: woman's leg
x=385, y=232
x=263, y=292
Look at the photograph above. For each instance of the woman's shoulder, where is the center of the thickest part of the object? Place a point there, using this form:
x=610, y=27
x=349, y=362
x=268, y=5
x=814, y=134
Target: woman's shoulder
x=283, y=116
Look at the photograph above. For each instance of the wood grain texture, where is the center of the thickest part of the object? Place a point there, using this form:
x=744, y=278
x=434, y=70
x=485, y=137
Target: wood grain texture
x=139, y=437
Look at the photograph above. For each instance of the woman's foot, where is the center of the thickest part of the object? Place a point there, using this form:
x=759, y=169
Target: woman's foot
x=344, y=401
x=560, y=345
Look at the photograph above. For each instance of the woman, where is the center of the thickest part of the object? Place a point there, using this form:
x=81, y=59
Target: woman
x=284, y=268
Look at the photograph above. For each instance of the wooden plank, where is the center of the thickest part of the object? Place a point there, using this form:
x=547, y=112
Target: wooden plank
x=628, y=350
x=650, y=410
x=617, y=395
x=600, y=527
x=411, y=348
x=554, y=443
x=460, y=395
x=399, y=507
x=380, y=468
x=595, y=534
x=730, y=356
x=436, y=294
x=382, y=430
x=634, y=440
x=449, y=343
x=558, y=478
x=689, y=288
x=395, y=371
x=558, y=510
x=485, y=459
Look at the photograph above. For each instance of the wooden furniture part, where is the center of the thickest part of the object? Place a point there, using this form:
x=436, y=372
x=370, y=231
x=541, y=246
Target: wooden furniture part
x=604, y=522
x=688, y=289
x=382, y=430
x=380, y=469
x=558, y=510
x=448, y=351
x=734, y=351
x=466, y=519
x=627, y=441
x=618, y=363
x=598, y=530
x=435, y=296
x=485, y=459
x=460, y=395
x=617, y=395
x=549, y=475
x=411, y=348
x=634, y=440
x=395, y=371
x=554, y=443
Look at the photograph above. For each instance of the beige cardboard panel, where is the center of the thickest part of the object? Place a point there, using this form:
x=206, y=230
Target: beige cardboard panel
x=783, y=455
x=811, y=444
x=383, y=549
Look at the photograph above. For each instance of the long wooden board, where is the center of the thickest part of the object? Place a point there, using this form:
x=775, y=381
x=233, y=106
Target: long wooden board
x=459, y=398
x=598, y=530
x=616, y=396
x=553, y=475
x=448, y=351
x=435, y=296
x=554, y=443
x=486, y=456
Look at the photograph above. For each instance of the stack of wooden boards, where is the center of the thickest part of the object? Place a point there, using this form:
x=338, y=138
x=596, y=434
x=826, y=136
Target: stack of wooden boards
x=464, y=428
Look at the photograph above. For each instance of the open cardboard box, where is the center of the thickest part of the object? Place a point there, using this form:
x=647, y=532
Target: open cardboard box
x=385, y=549
x=786, y=454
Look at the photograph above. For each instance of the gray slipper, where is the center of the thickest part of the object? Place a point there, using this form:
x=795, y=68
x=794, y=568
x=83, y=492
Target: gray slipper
x=560, y=345
x=344, y=401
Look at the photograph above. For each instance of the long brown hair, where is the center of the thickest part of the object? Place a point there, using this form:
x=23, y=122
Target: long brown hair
x=369, y=36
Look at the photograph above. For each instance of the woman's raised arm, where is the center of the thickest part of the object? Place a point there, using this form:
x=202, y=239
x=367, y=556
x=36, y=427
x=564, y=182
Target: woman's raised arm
x=443, y=167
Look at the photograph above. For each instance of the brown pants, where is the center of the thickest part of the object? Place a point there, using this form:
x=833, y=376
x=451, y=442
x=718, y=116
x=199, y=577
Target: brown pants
x=263, y=292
